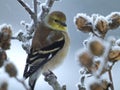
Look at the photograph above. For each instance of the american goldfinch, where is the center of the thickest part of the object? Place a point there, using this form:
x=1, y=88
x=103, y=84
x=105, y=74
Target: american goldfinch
x=49, y=47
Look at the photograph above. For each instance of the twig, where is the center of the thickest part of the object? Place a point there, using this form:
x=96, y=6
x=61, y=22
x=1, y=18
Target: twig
x=46, y=8
x=24, y=39
x=23, y=83
x=27, y=8
x=95, y=34
x=51, y=78
x=110, y=76
x=35, y=12
x=81, y=87
x=64, y=87
x=44, y=11
x=112, y=66
x=32, y=14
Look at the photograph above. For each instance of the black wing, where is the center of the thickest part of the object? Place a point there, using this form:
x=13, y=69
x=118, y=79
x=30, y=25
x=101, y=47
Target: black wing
x=38, y=58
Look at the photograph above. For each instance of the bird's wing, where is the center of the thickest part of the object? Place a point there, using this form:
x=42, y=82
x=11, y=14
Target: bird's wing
x=38, y=58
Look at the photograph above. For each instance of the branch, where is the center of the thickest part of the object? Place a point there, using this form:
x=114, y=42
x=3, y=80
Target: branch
x=22, y=82
x=81, y=87
x=46, y=8
x=44, y=11
x=27, y=8
x=32, y=14
x=64, y=87
x=95, y=34
x=35, y=12
x=110, y=76
x=51, y=78
x=24, y=39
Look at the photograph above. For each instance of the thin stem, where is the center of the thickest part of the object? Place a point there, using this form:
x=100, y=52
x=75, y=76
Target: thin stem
x=35, y=12
x=46, y=8
x=96, y=34
x=81, y=87
x=51, y=78
x=27, y=8
x=64, y=87
x=22, y=82
x=111, y=79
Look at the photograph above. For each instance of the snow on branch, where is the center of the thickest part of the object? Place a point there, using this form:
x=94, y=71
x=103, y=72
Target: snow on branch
x=10, y=68
x=25, y=36
x=97, y=24
x=51, y=78
x=46, y=8
x=99, y=55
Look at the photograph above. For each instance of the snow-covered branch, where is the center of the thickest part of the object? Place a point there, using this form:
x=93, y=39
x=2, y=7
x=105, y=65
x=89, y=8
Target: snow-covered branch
x=10, y=68
x=51, y=78
x=46, y=8
x=25, y=36
x=99, y=55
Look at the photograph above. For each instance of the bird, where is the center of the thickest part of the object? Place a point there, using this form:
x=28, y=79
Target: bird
x=50, y=46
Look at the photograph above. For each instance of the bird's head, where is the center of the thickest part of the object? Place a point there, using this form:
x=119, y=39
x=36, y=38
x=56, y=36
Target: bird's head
x=57, y=21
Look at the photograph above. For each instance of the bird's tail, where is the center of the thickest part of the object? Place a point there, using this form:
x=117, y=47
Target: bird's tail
x=32, y=83
x=33, y=78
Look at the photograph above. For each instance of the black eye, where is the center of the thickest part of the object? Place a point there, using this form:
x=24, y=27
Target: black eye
x=56, y=20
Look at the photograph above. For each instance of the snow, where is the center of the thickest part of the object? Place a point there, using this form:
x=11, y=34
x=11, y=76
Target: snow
x=5, y=25
x=113, y=13
x=82, y=15
x=117, y=42
x=80, y=52
x=111, y=39
x=100, y=17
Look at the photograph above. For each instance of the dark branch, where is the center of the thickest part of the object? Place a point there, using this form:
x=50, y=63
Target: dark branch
x=22, y=82
x=35, y=12
x=46, y=8
x=51, y=78
x=27, y=8
x=111, y=79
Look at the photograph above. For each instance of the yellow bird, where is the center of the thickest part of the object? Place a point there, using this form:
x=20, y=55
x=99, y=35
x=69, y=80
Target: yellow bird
x=49, y=47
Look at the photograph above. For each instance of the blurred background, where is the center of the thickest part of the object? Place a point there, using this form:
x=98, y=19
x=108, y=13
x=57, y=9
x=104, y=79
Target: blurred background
x=11, y=12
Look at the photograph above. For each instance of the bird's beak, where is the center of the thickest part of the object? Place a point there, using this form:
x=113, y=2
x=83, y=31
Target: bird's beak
x=64, y=24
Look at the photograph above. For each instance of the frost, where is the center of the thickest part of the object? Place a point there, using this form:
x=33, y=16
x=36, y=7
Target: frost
x=116, y=48
x=20, y=31
x=5, y=25
x=22, y=22
x=112, y=40
x=94, y=16
x=117, y=42
x=107, y=48
x=99, y=18
x=84, y=16
x=102, y=50
x=2, y=80
x=80, y=52
x=110, y=15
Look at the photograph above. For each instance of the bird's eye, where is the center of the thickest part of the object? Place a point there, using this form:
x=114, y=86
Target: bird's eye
x=56, y=20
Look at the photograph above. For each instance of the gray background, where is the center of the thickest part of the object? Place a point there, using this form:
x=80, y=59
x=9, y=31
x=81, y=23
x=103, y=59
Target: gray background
x=11, y=12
